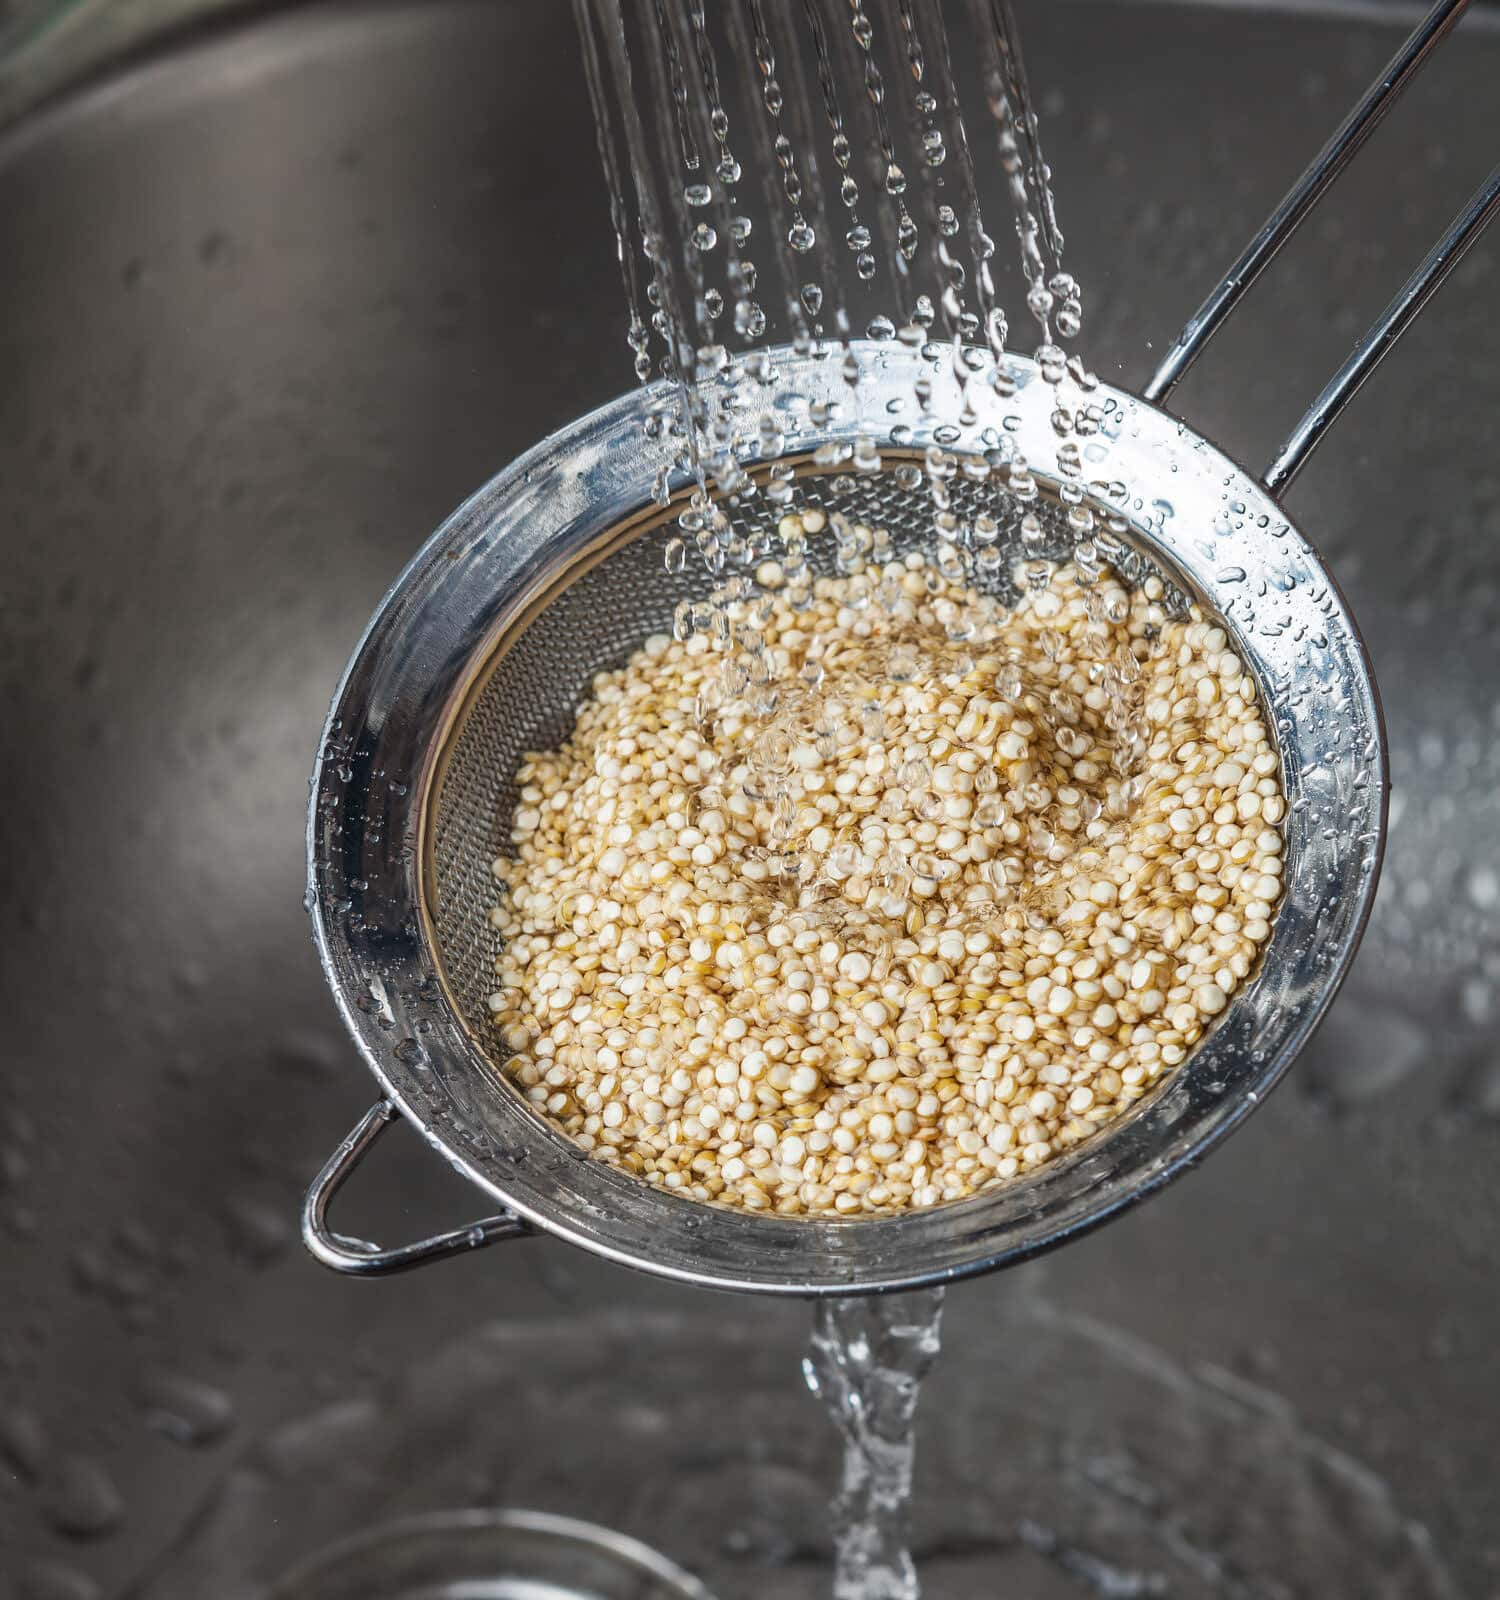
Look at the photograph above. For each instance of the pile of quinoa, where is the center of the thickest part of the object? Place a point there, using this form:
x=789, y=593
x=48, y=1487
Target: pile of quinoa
x=951, y=913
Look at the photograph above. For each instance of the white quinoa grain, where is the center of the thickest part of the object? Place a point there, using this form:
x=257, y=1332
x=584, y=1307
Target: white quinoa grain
x=1003, y=948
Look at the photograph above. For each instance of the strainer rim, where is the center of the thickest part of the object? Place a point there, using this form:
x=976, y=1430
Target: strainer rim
x=1101, y=1206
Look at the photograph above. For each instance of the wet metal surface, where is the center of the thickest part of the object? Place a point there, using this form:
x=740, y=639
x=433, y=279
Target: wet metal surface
x=264, y=309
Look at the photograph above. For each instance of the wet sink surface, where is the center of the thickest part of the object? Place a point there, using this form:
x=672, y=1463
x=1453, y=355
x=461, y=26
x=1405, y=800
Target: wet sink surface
x=270, y=307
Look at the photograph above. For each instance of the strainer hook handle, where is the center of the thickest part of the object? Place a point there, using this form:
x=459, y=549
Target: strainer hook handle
x=361, y=1259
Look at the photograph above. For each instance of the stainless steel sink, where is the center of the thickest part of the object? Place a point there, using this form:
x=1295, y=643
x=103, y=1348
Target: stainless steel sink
x=265, y=297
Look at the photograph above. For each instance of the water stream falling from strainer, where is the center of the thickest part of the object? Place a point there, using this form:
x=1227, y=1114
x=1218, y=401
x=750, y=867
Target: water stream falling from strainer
x=866, y=1362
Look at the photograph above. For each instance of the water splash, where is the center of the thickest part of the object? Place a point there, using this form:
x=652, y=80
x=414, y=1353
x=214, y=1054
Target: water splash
x=866, y=1362
x=886, y=89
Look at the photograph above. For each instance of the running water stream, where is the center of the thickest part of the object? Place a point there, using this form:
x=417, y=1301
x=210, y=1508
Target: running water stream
x=875, y=80
x=866, y=1362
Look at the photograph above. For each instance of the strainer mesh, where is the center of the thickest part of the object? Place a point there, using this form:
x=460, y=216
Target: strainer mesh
x=592, y=624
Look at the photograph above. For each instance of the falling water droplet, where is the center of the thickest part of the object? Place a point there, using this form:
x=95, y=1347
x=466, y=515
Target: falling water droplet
x=749, y=320
x=674, y=556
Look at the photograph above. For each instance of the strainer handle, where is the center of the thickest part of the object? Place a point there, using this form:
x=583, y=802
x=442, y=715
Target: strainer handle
x=1299, y=200
x=1283, y=222
x=1418, y=289
x=361, y=1259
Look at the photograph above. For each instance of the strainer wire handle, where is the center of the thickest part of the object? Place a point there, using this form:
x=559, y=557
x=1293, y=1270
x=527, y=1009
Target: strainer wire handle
x=1418, y=289
x=1299, y=200
x=1376, y=344
x=358, y=1257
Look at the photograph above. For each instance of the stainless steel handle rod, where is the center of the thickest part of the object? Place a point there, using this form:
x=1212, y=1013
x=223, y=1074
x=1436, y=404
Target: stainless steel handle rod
x=1350, y=134
x=1393, y=322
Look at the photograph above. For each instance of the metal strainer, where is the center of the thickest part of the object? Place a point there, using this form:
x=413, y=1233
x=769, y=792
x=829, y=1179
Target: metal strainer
x=489, y=639
x=486, y=644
